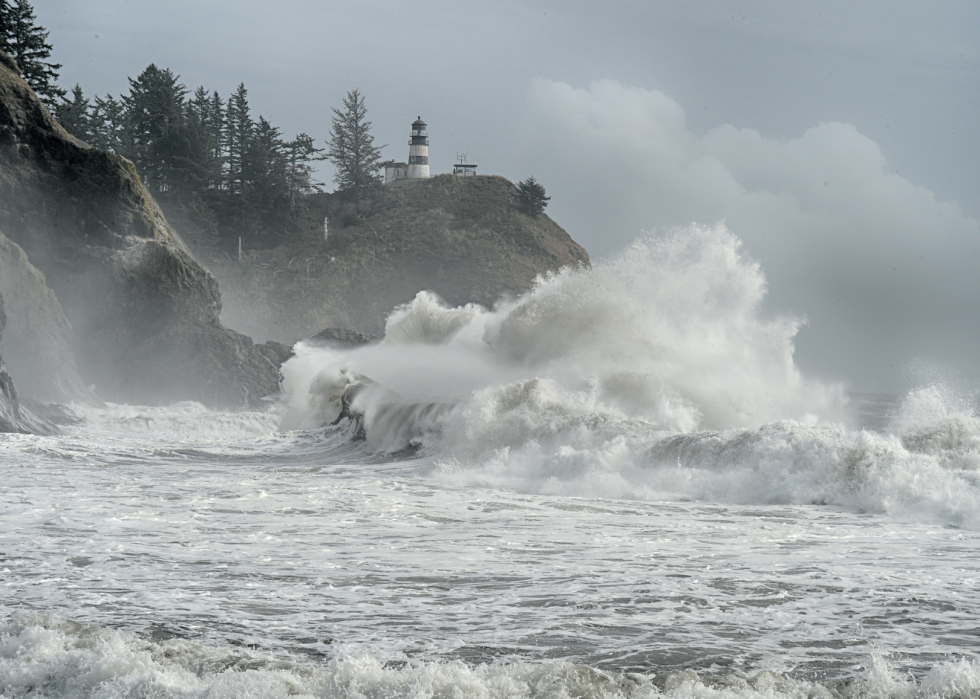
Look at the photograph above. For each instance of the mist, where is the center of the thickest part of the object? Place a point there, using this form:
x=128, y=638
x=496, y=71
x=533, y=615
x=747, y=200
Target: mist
x=503, y=464
x=834, y=140
x=883, y=272
x=668, y=333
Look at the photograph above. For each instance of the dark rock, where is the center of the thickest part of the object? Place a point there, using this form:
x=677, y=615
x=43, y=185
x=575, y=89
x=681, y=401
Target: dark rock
x=37, y=344
x=55, y=413
x=276, y=352
x=341, y=338
x=9, y=408
x=143, y=310
x=13, y=416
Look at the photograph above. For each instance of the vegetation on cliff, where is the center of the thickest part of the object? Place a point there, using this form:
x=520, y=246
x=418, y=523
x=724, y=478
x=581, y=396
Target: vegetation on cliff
x=531, y=197
x=143, y=311
x=217, y=172
x=26, y=42
x=465, y=238
x=291, y=259
x=352, y=149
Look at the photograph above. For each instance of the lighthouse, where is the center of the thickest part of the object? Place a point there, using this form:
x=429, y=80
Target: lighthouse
x=417, y=167
x=418, y=152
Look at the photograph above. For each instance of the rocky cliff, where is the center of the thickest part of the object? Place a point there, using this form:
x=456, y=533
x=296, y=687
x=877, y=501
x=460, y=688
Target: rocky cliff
x=463, y=238
x=13, y=416
x=143, y=311
x=37, y=344
x=9, y=409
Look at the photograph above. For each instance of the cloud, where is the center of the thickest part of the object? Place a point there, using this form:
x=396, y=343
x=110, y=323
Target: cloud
x=884, y=272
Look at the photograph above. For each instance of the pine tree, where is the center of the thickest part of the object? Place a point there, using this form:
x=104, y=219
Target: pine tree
x=531, y=197
x=27, y=43
x=265, y=169
x=75, y=115
x=206, y=114
x=216, y=124
x=238, y=134
x=352, y=149
x=154, y=111
x=108, y=127
x=300, y=153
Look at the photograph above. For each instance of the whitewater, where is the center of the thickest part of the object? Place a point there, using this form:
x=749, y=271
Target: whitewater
x=616, y=485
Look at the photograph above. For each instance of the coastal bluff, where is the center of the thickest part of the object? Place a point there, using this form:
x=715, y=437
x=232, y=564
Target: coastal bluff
x=464, y=238
x=144, y=314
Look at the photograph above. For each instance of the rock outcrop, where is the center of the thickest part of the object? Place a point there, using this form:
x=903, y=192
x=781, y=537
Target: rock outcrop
x=144, y=312
x=37, y=344
x=464, y=238
x=9, y=409
x=13, y=416
x=342, y=338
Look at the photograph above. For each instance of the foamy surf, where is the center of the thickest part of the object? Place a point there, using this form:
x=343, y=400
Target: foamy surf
x=651, y=376
x=670, y=333
x=618, y=485
x=44, y=656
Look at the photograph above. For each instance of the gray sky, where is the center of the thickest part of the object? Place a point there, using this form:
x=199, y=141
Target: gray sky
x=838, y=140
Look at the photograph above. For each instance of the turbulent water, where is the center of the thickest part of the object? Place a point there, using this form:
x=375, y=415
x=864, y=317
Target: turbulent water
x=617, y=485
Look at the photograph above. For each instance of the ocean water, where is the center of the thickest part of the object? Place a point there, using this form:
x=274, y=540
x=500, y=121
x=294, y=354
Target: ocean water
x=617, y=485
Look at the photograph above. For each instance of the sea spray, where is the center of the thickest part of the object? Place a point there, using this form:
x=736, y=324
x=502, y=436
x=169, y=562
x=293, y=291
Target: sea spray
x=654, y=376
x=668, y=333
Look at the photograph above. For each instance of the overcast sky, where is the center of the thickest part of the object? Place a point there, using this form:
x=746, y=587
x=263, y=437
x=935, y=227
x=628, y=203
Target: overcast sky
x=838, y=140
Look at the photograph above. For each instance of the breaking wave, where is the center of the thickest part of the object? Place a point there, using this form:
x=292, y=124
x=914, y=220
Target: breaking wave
x=42, y=655
x=654, y=375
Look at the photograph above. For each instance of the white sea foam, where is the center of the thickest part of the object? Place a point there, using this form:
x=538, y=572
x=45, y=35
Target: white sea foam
x=544, y=543
x=653, y=376
x=178, y=423
x=44, y=656
x=669, y=332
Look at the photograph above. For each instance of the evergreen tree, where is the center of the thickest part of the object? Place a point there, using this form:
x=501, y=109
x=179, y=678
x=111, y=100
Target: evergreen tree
x=264, y=169
x=300, y=153
x=238, y=134
x=107, y=124
x=154, y=110
x=352, y=149
x=75, y=115
x=531, y=197
x=189, y=165
x=206, y=114
x=28, y=44
x=216, y=173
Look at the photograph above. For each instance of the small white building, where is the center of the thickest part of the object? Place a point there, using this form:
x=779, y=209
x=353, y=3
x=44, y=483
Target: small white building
x=463, y=168
x=395, y=171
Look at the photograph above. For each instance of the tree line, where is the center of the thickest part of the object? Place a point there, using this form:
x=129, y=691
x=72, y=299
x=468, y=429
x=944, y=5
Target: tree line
x=219, y=174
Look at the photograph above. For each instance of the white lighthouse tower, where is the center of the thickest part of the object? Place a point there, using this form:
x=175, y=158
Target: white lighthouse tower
x=418, y=152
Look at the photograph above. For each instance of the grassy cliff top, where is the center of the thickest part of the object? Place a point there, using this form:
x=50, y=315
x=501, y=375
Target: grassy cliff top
x=449, y=222
x=462, y=237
